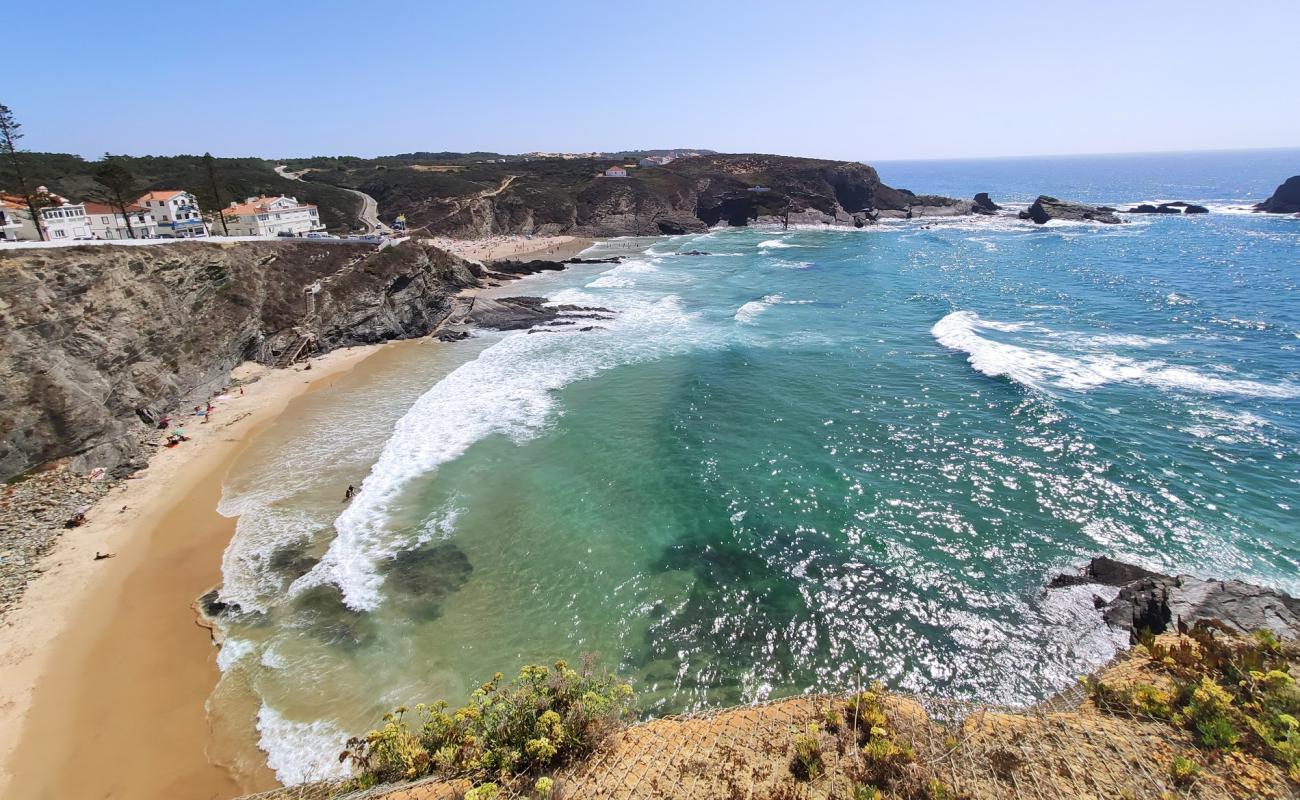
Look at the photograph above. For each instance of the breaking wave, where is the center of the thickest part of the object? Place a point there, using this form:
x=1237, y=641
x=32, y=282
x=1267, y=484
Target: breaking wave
x=509, y=390
x=1043, y=370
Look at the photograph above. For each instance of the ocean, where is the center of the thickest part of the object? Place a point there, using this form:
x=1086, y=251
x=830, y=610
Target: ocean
x=800, y=459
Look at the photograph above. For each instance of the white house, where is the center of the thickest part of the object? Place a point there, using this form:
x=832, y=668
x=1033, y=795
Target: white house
x=15, y=220
x=107, y=222
x=616, y=172
x=175, y=212
x=271, y=216
x=655, y=161
x=65, y=219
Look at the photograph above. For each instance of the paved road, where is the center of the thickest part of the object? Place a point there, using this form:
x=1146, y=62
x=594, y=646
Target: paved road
x=369, y=214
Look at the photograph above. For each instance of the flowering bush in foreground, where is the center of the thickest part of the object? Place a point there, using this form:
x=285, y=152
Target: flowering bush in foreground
x=539, y=720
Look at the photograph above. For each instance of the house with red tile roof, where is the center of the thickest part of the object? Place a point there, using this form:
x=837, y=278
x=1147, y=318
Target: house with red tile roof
x=272, y=216
x=107, y=222
x=176, y=213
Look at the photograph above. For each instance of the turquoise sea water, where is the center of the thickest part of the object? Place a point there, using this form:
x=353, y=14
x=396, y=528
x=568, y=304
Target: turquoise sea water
x=806, y=457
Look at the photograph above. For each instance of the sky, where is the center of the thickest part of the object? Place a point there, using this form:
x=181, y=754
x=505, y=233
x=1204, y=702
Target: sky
x=861, y=80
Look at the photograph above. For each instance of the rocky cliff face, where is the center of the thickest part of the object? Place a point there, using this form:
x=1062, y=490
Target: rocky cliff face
x=97, y=341
x=686, y=195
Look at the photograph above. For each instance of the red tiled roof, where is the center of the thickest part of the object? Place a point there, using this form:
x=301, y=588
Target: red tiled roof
x=160, y=194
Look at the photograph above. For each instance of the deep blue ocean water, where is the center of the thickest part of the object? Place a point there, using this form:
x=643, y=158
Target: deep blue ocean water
x=808, y=457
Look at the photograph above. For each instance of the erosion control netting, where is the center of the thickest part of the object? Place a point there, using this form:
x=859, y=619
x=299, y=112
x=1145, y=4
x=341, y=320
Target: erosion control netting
x=1064, y=748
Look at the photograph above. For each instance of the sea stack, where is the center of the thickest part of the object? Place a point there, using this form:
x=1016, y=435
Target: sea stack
x=983, y=205
x=1285, y=200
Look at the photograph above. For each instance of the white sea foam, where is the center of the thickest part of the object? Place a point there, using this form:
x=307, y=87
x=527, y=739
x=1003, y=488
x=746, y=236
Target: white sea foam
x=1040, y=369
x=300, y=751
x=775, y=244
x=748, y=313
x=508, y=390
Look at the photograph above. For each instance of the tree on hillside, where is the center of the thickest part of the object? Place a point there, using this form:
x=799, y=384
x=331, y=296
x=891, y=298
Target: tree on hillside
x=210, y=166
x=119, y=187
x=36, y=199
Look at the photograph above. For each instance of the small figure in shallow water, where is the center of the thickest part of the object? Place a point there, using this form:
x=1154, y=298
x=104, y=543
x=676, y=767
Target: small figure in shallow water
x=352, y=490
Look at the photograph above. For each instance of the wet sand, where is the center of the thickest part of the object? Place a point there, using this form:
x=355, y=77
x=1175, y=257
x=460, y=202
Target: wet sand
x=104, y=669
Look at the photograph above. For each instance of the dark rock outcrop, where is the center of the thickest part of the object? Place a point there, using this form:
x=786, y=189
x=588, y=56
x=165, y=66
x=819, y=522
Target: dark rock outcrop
x=1151, y=601
x=1285, y=200
x=984, y=205
x=1048, y=208
x=98, y=341
x=1178, y=207
x=519, y=313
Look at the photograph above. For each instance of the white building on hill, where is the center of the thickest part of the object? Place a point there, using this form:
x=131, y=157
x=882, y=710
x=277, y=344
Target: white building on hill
x=65, y=219
x=15, y=220
x=616, y=172
x=272, y=216
x=108, y=223
x=175, y=212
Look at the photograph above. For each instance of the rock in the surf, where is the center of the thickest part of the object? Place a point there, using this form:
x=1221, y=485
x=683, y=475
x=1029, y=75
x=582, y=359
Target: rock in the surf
x=1048, y=208
x=1286, y=200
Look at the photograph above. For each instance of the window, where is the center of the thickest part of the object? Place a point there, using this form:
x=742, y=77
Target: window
x=59, y=233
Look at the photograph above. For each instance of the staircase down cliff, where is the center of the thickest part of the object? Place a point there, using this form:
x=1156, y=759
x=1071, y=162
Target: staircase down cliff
x=97, y=341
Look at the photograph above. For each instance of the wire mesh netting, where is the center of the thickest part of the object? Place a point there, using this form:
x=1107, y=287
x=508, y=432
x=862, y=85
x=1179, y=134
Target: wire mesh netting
x=959, y=750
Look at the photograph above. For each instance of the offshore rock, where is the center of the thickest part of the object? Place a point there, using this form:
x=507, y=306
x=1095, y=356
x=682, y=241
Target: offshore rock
x=984, y=205
x=1048, y=208
x=96, y=342
x=1151, y=601
x=1285, y=200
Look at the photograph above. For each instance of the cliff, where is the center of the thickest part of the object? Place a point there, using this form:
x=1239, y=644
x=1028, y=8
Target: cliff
x=96, y=342
x=550, y=196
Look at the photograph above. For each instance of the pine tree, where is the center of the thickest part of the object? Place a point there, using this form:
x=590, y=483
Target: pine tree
x=36, y=199
x=119, y=184
x=210, y=165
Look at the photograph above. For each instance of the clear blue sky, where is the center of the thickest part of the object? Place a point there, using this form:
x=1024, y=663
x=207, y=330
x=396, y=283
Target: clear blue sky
x=846, y=80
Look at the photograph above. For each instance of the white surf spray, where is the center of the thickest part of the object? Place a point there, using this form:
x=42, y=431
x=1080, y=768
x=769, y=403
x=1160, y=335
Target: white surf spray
x=1040, y=369
x=508, y=390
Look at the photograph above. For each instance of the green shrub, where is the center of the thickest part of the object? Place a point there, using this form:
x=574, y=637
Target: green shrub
x=807, y=765
x=1183, y=771
x=541, y=719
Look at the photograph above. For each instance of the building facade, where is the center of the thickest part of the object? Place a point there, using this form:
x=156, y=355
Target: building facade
x=176, y=213
x=65, y=219
x=15, y=221
x=107, y=222
x=272, y=216
x=616, y=172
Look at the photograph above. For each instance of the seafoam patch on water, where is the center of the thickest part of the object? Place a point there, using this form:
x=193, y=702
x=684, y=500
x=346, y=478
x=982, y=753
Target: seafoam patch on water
x=748, y=313
x=508, y=390
x=1042, y=369
x=300, y=752
x=775, y=244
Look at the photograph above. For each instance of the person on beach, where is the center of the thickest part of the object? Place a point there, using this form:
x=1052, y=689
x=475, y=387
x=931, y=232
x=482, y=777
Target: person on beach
x=348, y=495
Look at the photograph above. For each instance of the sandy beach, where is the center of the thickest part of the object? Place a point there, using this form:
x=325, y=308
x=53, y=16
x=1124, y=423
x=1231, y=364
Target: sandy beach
x=105, y=672
x=497, y=248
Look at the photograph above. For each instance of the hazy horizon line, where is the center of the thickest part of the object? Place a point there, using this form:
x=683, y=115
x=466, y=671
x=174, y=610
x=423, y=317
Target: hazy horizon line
x=1009, y=157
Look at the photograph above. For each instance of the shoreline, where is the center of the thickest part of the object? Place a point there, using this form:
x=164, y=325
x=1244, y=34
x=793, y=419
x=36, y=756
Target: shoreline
x=72, y=658
x=105, y=663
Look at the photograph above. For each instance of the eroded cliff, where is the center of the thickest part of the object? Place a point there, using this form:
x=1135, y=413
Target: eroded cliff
x=96, y=342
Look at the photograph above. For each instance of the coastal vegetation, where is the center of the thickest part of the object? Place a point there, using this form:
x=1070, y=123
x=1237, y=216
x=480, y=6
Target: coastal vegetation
x=543, y=719
x=1230, y=692
x=1203, y=714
